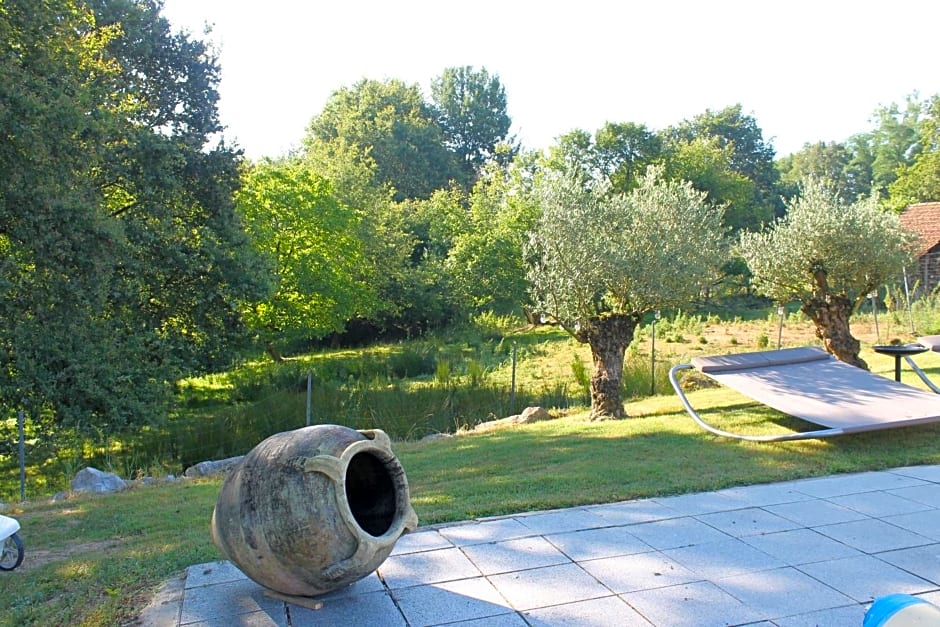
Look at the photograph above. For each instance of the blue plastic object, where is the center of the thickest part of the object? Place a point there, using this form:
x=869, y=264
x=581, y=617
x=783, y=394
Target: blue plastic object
x=900, y=610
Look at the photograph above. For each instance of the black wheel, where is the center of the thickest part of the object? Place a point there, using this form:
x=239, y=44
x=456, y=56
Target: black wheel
x=13, y=552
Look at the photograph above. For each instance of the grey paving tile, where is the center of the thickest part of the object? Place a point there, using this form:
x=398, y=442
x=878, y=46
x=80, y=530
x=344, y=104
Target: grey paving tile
x=925, y=473
x=723, y=559
x=414, y=569
x=879, y=504
x=765, y=494
x=848, y=615
x=873, y=536
x=801, y=546
x=375, y=609
x=697, y=604
x=747, y=522
x=866, y=578
x=597, y=543
x=633, y=512
x=369, y=583
x=420, y=541
x=594, y=613
x=252, y=619
x=643, y=571
x=487, y=531
x=212, y=573
x=782, y=592
x=561, y=521
x=675, y=532
x=543, y=587
x=925, y=523
x=465, y=599
x=503, y=620
x=815, y=513
x=524, y=553
x=840, y=485
x=701, y=503
x=220, y=603
x=921, y=561
x=927, y=494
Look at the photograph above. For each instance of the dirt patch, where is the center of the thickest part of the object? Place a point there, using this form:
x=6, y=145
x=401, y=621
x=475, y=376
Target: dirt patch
x=40, y=557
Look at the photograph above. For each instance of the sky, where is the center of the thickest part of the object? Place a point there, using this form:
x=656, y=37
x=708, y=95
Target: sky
x=806, y=70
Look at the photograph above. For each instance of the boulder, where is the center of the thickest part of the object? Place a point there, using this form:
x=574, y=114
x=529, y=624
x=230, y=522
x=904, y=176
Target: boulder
x=98, y=481
x=209, y=468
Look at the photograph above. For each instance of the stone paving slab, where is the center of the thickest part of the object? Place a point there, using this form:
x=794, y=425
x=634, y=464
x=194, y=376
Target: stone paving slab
x=807, y=552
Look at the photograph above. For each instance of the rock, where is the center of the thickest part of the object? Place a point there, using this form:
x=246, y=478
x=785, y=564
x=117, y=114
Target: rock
x=534, y=414
x=437, y=436
x=209, y=468
x=94, y=480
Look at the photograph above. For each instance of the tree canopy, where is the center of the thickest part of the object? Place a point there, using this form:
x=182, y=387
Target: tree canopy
x=124, y=264
x=604, y=260
x=829, y=255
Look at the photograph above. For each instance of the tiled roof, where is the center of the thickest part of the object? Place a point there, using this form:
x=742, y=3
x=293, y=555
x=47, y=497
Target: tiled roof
x=923, y=218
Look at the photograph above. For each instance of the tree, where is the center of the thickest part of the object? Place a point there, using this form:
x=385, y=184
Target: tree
x=706, y=164
x=920, y=180
x=750, y=155
x=829, y=255
x=124, y=264
x=830, y=161
x=486, y=262
x=471, y=110
x=389, y=125
x=310, y=241
x=618, y=152
x=605, y=260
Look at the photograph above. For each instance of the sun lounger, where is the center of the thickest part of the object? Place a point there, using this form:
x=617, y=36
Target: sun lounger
x=811, y=384
x=933, y=343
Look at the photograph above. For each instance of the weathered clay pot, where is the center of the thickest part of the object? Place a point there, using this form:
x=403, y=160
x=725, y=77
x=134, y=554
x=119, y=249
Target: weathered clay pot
x=312, y=510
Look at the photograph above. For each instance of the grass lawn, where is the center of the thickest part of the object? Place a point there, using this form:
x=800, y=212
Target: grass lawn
x=96, y=560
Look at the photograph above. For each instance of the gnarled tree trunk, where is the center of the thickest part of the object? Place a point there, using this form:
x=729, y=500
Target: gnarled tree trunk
x=831, y=317
x=608, y=336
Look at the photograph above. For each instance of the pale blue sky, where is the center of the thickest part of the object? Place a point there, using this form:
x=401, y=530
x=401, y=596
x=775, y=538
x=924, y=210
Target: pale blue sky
x=807, y=70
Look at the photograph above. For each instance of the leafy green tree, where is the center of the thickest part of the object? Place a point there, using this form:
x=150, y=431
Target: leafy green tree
x=750, y=155
x=486, y=262
x=310, y=241
x=920, y=180
x=618, y=152
x=605, y=260
x=706, y=164
x=829, y=255
x=124, y=265
x=389, y=125
x=830, y=161
x=894, y=142
x=471, y=110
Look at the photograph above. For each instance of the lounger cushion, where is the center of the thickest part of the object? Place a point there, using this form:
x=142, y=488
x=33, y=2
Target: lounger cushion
x=931, y=341
x=749, y=361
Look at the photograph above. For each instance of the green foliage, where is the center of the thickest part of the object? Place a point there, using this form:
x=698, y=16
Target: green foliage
x=309, y=240
x=919, y=181
x=651, y=249
x=470, y=106
x=389, y=128
x=124, y=265
x=856, y=247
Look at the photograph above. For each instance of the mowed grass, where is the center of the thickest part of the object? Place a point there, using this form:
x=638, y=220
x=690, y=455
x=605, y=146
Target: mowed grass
x=96, y=560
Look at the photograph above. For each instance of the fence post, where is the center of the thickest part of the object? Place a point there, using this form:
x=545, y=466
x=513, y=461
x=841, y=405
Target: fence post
x=512, y=389
x=873, y=295
x=21, y=424
x=780, y=312
x=309, y=394
x=653, y=355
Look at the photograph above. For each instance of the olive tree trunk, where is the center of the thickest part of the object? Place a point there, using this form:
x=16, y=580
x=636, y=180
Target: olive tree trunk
x=831, y=317
x=608, y=336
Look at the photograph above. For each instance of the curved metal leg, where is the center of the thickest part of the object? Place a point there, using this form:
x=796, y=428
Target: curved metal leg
x=922, y=375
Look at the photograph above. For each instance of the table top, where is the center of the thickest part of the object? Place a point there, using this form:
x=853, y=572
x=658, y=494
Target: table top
x=900, y=349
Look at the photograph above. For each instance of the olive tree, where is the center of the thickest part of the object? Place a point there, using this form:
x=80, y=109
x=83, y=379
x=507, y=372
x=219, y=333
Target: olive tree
x=602, y=261
x=829, y=255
